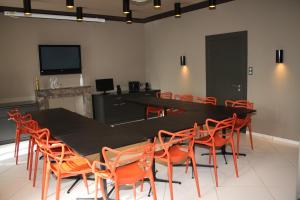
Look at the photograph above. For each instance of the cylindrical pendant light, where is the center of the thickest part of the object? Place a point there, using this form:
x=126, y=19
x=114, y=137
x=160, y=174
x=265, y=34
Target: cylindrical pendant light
x=129, y=17
x=79, y=14
x=126, y=7
x=27, y=7
x=212, y=4
x=157, y=3
x=279, y=56
x=70, y=3
x=177, y=10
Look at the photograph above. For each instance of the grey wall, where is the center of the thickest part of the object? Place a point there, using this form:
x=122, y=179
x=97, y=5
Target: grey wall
x=110, y=49
x=271, y=25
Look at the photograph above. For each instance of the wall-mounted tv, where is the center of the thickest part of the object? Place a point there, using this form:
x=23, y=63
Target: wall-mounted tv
x=60, y=59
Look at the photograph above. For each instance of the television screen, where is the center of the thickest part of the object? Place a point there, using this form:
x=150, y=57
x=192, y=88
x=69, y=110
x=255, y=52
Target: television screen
x=104, y=85
x=59, y=59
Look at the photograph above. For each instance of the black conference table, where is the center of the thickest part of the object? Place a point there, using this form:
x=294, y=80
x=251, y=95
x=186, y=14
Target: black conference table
x=87, y=136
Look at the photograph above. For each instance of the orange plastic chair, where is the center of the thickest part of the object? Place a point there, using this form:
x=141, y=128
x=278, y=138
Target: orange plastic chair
x=178, y=149
x=158, y=110
x=206, y=100
x=125, y=167
x=20, y=120
x=185, y=97
x=241, y=123
x=215, y=138
x=66, y=164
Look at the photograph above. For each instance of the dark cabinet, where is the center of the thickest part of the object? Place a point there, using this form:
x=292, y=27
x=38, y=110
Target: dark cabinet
x=8, y=128
x=114, y=109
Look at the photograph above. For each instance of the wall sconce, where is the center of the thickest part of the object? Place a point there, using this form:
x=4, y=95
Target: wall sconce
x=279, y=56
x=182, y=61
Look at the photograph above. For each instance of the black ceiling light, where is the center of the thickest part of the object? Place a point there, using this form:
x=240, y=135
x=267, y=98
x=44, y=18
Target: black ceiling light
x=129, y=17
x=126, y=7
x=27, y=7
x=177, y=10
x=70, y=3
x=212, y=4
x=79, y=14
x=157, y=3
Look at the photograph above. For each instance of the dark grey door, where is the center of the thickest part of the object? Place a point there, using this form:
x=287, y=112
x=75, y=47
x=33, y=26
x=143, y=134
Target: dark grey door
x=226, y=66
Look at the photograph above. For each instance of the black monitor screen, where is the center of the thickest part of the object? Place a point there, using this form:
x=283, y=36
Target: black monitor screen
x=104, y=84
x=59, y=59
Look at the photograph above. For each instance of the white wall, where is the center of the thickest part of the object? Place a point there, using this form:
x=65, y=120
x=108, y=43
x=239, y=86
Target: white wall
x=111, y=49
x=271, y=25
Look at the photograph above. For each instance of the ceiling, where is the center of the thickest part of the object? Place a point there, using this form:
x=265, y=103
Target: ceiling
x=140, y=8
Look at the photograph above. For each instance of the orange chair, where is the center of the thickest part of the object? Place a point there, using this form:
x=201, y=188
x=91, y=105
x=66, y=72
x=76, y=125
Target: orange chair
x=125, y=167
x=66, y=164
x=215, y=138
x=206, y=100
x=158, y=110
x=178, y=149
x=20, y=120
x=185, y=97
x=241, y=123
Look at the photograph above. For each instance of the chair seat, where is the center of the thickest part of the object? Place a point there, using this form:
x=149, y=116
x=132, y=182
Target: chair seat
x=219, y=140
x=154, y=109
x=75, y=167
x=130, y=173
x=177, y=154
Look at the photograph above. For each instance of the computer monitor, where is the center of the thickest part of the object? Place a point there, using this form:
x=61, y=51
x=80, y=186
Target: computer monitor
x=104, y=85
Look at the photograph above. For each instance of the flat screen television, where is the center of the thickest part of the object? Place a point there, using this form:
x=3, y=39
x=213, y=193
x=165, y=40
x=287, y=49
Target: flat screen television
x=103, y=85
x=60, y=59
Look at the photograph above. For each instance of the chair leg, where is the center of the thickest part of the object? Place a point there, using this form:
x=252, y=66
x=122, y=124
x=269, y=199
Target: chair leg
x=210, y=154
x=152, y=185
x=35, y=165
x=28, y=154
x=58, y=187
x=47, y=178
x=31, y=158
x=196, y=174
x=234, y=158
x=117, y=191
x=250, y=135
x=187, y=165
x=96, y=186
x=44, y=174
x=142, y=185
x=102, y=188
x=170, y=174
x=238, y=134
x=215, y=166
x=85, y=182
x=134, y=191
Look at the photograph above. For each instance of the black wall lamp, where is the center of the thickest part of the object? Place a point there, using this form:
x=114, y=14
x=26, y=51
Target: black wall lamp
x=156, y=3
x=79, y=14
x=70, y=4
x=27, y=7
x=177, y=10
x=182, y=61
x=126, y=6
x=279, y=56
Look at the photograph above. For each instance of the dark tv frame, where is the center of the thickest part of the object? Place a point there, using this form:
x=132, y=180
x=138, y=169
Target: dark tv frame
x=60, y=71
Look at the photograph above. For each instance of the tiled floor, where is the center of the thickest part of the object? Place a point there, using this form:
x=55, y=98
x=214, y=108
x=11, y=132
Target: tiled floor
x=268, y=172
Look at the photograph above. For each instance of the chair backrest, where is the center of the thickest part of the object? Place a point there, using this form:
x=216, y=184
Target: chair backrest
x=186, y=137
x=143, y=154
x=206, y=100
x=41, y=137
x=220, y=127
x=239, y=104
x=14, y=114
x=185, y=97
x=166, y=95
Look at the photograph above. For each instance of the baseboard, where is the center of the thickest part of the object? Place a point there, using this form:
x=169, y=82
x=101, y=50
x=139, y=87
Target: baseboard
x=274, y=138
